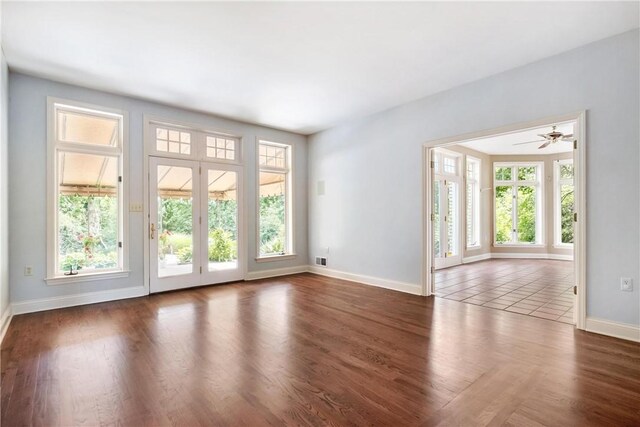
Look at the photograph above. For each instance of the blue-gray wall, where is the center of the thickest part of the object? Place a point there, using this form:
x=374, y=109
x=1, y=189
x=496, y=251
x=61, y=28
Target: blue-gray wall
x=27, y=184
x=370, y=216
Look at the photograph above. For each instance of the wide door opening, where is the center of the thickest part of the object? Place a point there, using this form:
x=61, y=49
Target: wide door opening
x=503, y=227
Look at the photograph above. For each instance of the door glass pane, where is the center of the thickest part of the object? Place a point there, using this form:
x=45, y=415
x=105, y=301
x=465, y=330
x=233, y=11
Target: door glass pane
x=526, y=214
x=175, y=221
x=452, y=218
x=566, y=212
x=87, y=212
x=504, y=209
x=222, y=220
x=272, y=212
x=436, y=221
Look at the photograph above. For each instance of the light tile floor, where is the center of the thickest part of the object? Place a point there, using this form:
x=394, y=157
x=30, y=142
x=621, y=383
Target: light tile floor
x=534, y=287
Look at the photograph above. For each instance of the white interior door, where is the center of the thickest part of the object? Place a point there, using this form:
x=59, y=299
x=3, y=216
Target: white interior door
x=195, y=231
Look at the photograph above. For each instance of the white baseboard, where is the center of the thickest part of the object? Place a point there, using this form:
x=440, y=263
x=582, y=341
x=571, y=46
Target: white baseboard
x=5, y=321
x=515, y=255
x=368, y=280
x=613, y=329
x=31, y=306
x=476, y=258
x=518, y=255
x=265, y=274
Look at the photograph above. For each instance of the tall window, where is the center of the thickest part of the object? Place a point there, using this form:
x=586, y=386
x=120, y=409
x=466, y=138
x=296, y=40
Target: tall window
x=86, y=221
x=473, y=202
x=274, y=207
x=563, y=203
x=517, y=203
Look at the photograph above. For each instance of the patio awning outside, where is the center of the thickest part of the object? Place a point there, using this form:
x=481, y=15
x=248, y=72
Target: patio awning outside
x=88, y=174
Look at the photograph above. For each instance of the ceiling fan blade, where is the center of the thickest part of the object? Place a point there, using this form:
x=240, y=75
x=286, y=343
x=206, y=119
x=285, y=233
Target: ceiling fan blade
x=543, y=135
x=545, y=144
x=529, y=142
x=567, y=137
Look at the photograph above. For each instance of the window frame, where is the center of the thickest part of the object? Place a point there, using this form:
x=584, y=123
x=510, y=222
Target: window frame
x=476, y=208
x=198, y=142
x=289, y=252
x=54, y=146
x=514, y=183
x=557, y=208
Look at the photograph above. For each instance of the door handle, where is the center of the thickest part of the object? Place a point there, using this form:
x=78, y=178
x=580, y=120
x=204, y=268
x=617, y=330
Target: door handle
x=152, y=231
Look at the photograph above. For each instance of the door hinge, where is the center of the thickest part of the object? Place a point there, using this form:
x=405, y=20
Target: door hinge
x=575, y=144
x=119, y=244
x=433, y=269
x=575, y=217
x=200, y=270
x=575, y=290
x=199, y=170
x=120, y=178
x=433, y=164
x=433, y=217
x=200, y=220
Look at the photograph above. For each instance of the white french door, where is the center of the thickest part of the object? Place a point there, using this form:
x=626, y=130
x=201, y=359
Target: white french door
x=194, y=217
x=446, y=209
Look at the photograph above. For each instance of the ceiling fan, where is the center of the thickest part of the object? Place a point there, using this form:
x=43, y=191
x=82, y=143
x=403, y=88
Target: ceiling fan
x=550, y=138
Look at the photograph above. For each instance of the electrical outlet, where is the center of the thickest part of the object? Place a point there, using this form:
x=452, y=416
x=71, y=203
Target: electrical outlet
x=135, y=207
x=28, y=270
x=626, y=284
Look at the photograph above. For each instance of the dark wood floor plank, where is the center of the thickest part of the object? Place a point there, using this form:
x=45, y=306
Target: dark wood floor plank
x=309, y=350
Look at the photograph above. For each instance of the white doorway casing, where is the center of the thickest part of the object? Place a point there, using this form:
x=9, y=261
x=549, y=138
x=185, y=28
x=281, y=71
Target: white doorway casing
x=207, y=276
x=579, y=159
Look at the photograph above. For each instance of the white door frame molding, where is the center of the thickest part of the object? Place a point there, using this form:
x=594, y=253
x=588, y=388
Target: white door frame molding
x=147, y=135
x=579, y=156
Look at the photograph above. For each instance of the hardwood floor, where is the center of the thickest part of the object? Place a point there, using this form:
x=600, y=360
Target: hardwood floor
x=308, y=350
x=534, y=287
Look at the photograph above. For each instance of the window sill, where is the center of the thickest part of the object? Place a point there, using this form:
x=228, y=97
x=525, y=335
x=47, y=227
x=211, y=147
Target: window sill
x=563, y=246
x=474, y=247
x=88, y=277
x=272, y=258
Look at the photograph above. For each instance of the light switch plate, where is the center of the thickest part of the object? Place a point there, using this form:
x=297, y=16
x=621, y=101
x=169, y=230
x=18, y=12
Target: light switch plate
x=135, y=207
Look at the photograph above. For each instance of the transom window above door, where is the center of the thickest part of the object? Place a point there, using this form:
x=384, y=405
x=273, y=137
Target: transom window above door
x=171, y=140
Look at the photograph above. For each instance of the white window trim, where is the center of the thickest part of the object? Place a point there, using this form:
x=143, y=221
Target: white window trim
x=289, y=216
x=539, y=184
x=52, y=277
x=557, y=220
x=476, y=202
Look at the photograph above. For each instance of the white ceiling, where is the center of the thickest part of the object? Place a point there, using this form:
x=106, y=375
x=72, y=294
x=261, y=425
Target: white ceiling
x=298, y=66
x=503, y=144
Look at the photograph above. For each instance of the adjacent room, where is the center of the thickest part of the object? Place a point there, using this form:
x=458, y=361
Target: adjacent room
x=319, y=213
x=503, y=214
